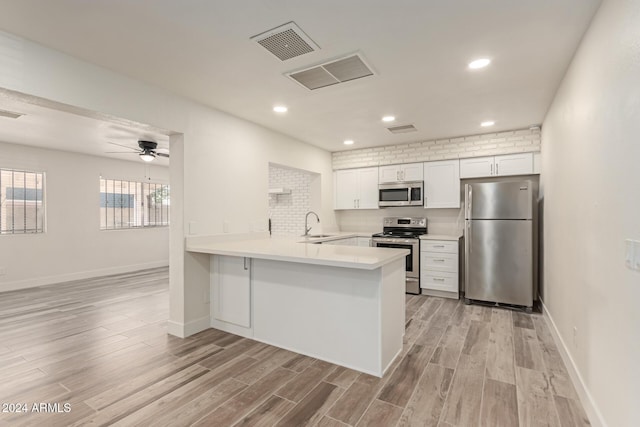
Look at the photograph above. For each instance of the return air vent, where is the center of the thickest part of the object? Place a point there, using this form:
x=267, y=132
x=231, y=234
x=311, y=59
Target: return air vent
x=10, y=114
x=402, y=129
x=286, y=41
x=330, y=73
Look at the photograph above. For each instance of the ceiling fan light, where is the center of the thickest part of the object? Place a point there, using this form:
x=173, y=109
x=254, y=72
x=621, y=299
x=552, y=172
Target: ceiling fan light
x=147, y=156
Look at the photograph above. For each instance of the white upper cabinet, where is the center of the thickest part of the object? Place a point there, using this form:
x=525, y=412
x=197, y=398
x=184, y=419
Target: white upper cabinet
x=442, y=184
x=389, y=173
x=356, y=188
x=476, y=167
x=345, y=188
x=510, y=164
x=514, y=164
x=399, y=173
x=537, y=163
x=368, y=188
x=412, y=172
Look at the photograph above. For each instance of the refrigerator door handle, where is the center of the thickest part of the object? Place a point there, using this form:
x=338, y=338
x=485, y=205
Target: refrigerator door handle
x=469, y=205
x=469, y=239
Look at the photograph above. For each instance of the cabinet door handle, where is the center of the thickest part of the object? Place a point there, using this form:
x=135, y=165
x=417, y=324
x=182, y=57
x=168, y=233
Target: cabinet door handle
x=491, y=168
x=438, y=279
x=438, y=260
x=246, y=263
x=358, y=203
x=497, y=164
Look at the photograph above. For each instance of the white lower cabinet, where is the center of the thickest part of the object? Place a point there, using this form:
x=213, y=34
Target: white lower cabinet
x=231, y=291
x=439, y=268
x=364, y=241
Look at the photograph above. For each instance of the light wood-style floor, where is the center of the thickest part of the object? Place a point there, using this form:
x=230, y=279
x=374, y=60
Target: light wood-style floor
x=101, y=345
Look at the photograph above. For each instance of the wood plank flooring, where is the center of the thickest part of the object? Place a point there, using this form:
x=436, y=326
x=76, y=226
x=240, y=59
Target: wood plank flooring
x=101, y=346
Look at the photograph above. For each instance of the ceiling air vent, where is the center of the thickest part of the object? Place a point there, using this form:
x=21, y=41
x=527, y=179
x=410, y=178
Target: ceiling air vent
x=286, y=41
x=402, y=129
x=10, y=114
x=330, y=73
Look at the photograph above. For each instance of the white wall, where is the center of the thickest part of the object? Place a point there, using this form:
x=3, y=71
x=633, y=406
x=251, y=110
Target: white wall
x=219, y=163
x=590, y=178
x=73, y=246
x=440, y=221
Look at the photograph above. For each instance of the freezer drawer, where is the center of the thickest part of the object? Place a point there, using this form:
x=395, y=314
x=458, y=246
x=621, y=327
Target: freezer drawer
x=499, y=261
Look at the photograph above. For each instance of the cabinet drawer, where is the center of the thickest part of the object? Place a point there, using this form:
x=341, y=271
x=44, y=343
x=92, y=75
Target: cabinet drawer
x=439, y=246
x=439, y=261
x=441, y=281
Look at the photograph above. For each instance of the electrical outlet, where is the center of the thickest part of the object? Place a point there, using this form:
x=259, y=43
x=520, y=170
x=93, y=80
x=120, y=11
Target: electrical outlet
x=575, y=336
x=3, y=271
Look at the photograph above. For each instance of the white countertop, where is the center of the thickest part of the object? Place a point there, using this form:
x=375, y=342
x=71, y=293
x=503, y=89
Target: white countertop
x=293, y=250
x=440, y=237
x=335, y=235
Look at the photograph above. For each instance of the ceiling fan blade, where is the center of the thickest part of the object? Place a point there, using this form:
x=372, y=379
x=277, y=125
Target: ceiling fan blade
x=119, y=152
x=161, y=154
x=123, y=146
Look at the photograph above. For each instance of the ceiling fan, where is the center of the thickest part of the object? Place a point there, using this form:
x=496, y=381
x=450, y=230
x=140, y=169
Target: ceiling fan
x=147, y=152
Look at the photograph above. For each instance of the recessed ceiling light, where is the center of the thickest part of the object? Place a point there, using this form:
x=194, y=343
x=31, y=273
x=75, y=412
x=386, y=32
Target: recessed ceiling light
x=348, y=142
x=479, y=63
x=280, y=109
x=487, y=123
x=388, y=118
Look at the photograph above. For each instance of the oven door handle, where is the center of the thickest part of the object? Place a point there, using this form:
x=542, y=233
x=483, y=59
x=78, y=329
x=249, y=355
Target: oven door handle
x=392, y=240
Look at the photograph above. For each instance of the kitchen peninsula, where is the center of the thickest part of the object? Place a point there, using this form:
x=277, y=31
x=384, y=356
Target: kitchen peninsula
x=341, y=304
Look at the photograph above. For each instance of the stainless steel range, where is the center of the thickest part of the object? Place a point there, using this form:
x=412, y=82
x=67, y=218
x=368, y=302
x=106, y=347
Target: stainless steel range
x=404, y=233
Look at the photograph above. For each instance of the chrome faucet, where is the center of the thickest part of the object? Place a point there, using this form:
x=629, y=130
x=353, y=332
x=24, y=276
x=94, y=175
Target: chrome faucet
x=306, y=221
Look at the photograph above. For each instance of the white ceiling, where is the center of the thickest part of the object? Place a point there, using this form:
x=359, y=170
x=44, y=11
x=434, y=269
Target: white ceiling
x=54, y=126
x=419, y=50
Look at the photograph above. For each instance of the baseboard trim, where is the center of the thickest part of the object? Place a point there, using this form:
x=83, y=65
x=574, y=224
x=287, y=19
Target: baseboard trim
x=590, y=407
x=81, y=275
x=184, y=330
x=441, y=294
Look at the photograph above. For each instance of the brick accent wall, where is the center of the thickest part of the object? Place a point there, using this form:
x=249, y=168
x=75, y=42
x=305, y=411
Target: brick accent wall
x=287, y=211
x=489, y=144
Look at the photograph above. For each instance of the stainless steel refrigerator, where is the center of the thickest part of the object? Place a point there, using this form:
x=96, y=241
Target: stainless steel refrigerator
x=500, y=242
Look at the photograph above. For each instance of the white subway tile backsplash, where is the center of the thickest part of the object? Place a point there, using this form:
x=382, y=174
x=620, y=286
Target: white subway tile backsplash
x=287, y=211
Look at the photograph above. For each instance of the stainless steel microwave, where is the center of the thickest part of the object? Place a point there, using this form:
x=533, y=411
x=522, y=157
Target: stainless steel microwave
x=401, y=194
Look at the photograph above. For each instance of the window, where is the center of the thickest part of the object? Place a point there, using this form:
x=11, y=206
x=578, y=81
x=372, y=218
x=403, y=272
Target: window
x=21, y=202
x=130, y=204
